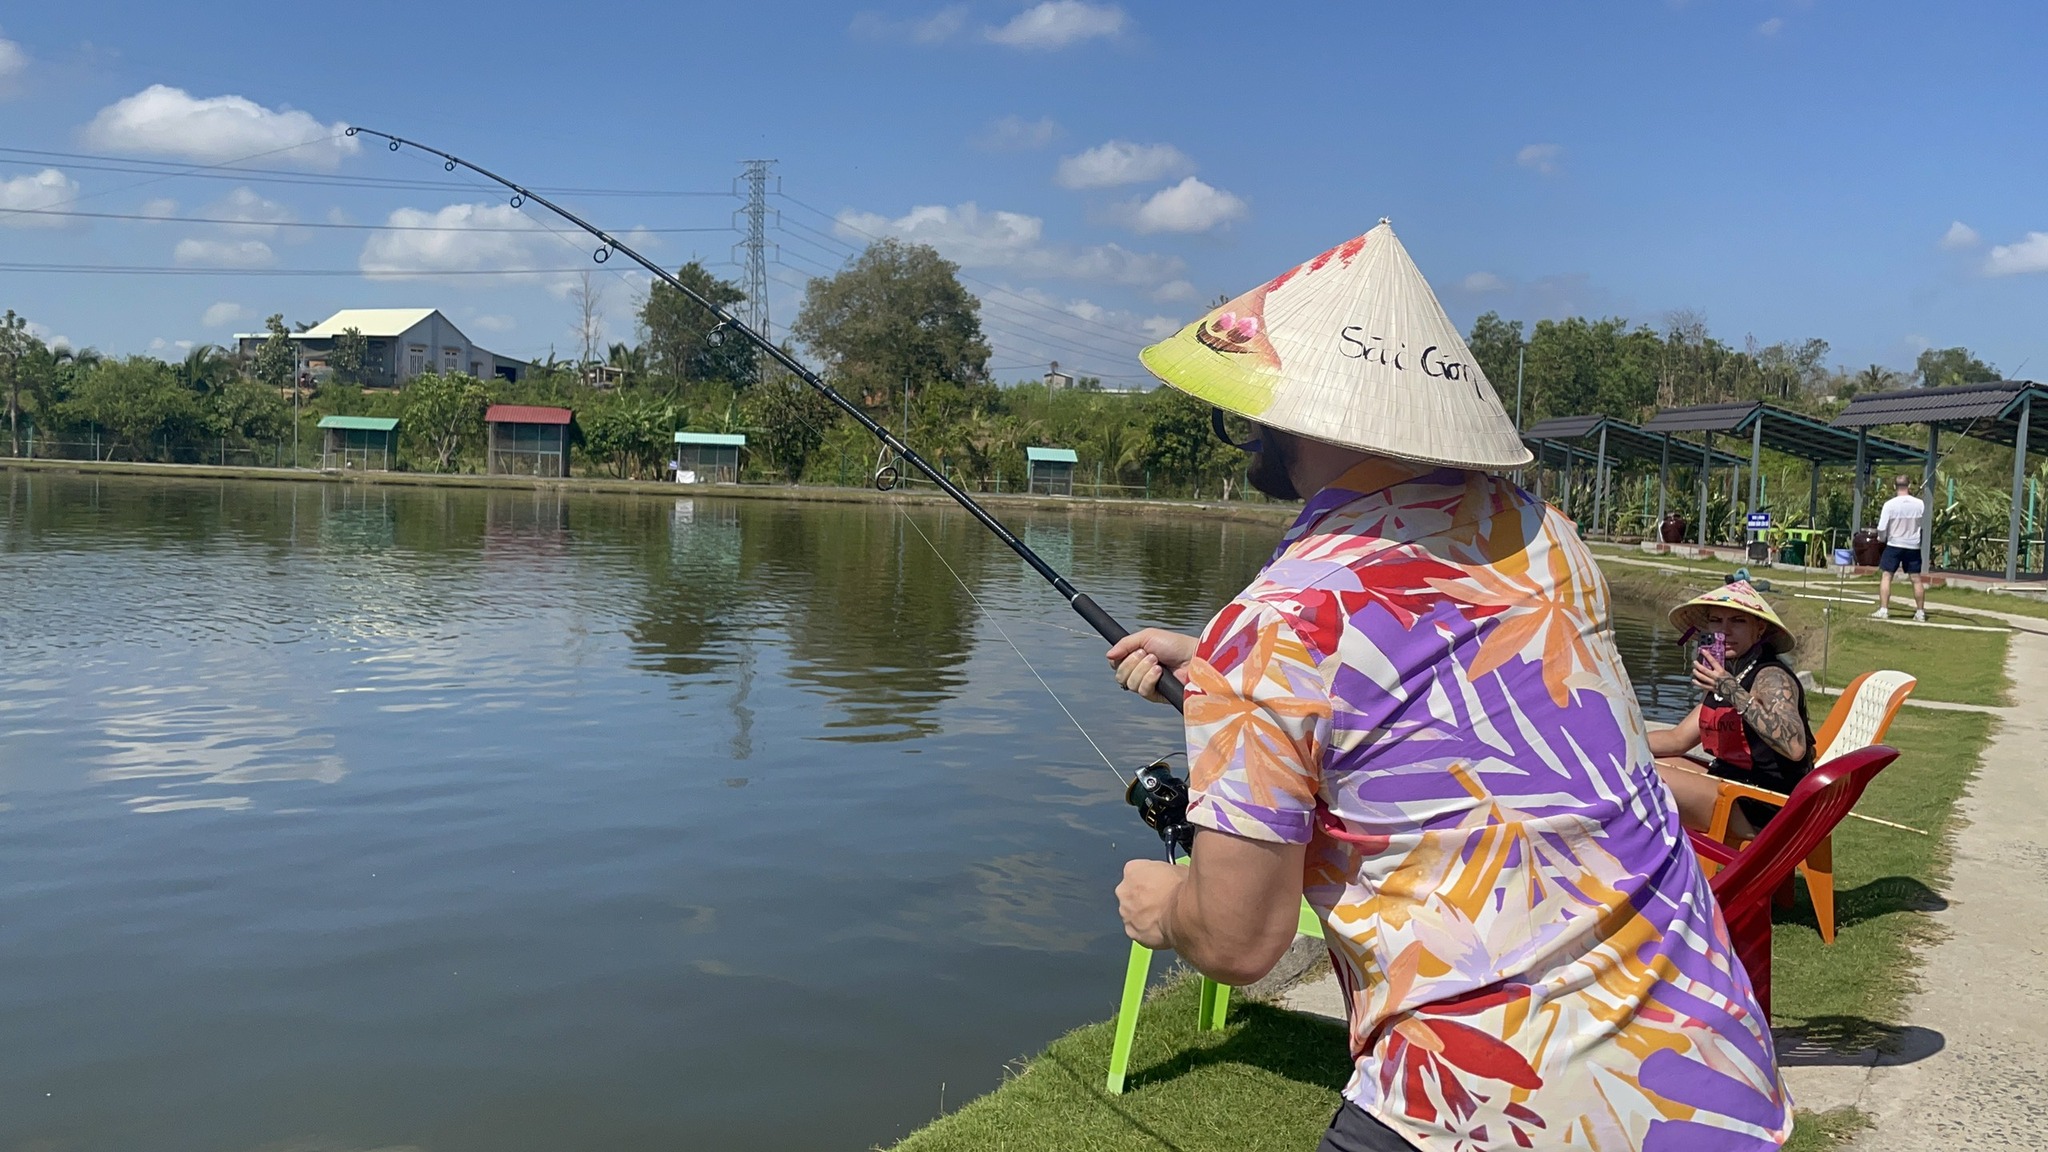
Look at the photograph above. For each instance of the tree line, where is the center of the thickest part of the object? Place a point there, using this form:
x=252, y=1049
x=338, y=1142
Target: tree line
x=896, y=331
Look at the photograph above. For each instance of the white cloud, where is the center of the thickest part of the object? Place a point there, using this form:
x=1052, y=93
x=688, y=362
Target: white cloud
x=162, y=345
x=491, y=322
x=973, y=238
x=223, y=253
x=1189, y=206
x=1959, y=236
x=223, y=313
x=1026, y=326
x=253, y=215
x=452, y=242
x=1174, y=290
x=1542, y=158
x=1771, y=27
x=2029, y=255
x=160, y=207
x=23, y=196
x=1058, y=23
x=13, y=62
x=936, y=28
x=1016, y=134
x=51, y=340
x=166, y=121
x=1121, y=162
x=940, y=26
x=1483, y=282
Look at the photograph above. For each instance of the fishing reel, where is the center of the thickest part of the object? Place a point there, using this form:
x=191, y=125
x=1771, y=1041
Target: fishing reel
x=1161, y=799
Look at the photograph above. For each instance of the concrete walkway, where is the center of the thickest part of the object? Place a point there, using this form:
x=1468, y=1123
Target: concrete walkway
x=1984, y=986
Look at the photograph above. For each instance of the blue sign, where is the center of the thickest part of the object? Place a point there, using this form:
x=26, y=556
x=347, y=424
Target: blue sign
x=1758, y=521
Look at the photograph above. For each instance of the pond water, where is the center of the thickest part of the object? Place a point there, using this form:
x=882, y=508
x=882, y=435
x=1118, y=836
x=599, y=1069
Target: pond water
x=351, y=817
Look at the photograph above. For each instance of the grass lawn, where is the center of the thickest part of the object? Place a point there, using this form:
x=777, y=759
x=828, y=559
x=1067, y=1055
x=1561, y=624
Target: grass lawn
x=1883, y=878
x=1269, y=1081
x=1954, y=666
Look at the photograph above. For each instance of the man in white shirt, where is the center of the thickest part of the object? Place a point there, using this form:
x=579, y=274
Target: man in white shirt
x=1900, y=522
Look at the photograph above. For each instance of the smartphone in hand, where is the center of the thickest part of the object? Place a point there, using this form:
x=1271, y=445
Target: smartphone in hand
x=1717, y=645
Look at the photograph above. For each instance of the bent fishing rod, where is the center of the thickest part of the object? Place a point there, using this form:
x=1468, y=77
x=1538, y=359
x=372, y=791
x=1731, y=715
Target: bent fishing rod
x=1160, y=797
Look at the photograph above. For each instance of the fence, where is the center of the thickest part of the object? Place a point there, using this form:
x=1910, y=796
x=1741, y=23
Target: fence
x=241, y=454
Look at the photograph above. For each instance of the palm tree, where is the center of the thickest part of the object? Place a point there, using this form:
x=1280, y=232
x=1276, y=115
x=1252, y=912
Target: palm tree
x=206, y=369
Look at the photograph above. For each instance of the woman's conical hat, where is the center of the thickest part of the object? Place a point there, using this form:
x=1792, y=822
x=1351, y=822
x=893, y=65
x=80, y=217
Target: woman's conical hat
x=1351, y=348
x=1739, y=595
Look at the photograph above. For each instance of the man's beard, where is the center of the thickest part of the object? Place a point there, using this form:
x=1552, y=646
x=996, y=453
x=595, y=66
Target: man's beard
x=1267, y=471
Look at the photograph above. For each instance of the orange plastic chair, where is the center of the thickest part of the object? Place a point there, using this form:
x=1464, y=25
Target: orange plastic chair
x=1746, y=880
x=1859, y=719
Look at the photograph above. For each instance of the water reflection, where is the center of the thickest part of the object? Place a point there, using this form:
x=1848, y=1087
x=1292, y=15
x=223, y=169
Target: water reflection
x=612, y=816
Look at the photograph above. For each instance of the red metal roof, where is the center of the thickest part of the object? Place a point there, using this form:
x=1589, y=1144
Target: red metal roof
x=526, y=414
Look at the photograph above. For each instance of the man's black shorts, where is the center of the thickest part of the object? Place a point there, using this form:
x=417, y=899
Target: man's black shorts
x=1897, y=558
x=1354, y=1129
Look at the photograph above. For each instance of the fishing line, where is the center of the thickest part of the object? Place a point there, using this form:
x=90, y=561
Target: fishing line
x=1021, y=658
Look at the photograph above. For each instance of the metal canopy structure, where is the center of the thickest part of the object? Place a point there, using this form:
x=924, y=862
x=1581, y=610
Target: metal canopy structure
x=1794, y=434
x=2000, y=412
x=1612, y=440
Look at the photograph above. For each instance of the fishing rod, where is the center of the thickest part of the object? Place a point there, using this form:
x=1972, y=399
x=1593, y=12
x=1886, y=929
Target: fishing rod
x=1160, y=797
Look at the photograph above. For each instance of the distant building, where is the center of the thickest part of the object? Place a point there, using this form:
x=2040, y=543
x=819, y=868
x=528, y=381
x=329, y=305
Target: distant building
x=1050, y=470
x=363, y=443
x=1056, y=379
x=402, y=343
x=708, y=457
x=527, y=440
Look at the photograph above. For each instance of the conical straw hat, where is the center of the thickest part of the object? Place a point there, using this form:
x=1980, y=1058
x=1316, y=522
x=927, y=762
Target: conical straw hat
x=1351, y=348
x=1740, y=595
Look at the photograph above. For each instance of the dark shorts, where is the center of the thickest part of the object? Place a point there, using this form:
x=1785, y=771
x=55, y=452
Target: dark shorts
x=1897, y=558
x=1354, y=1129
x=1759, y=812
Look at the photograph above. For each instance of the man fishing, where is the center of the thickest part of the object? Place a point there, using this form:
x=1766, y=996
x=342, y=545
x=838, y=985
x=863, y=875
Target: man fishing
x=1415, y=716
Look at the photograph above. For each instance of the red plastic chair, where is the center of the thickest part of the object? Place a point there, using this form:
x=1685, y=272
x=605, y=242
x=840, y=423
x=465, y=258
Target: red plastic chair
x=1749, y=878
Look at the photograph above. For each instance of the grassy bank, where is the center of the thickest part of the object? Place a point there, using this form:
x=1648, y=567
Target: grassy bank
x=1268, y=1081
x=1840, y=644
x=1277, y=515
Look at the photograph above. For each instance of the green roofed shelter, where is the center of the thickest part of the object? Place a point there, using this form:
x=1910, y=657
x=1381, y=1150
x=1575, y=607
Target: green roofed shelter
x=361, y=443
x=2011, y=412
x=1783, y=430
x=1050, y=470
x=708, y=457
x=1569, y=438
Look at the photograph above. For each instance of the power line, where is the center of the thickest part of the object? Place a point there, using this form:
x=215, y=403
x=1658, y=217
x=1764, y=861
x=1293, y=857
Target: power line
x=319, y=223
x=168, y=270
x=229, y=170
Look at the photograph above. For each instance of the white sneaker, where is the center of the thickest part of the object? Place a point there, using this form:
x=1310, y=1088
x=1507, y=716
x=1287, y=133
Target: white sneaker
x=1881, y=614
x=1920, y=617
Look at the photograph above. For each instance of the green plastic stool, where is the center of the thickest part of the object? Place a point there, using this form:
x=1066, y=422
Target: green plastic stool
x=1210, y=1015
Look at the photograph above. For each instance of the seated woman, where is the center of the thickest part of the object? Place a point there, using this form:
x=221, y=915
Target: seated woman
x=1752, y=720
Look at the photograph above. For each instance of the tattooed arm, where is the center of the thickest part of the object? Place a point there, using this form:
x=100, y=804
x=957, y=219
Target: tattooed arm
x=1771, y=710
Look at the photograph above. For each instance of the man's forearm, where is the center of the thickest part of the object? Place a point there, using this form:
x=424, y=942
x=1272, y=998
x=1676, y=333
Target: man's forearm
x=1234, y=915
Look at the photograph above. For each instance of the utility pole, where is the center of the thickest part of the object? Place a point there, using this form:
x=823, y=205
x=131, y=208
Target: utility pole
x=754, y=230
x=1520, y=354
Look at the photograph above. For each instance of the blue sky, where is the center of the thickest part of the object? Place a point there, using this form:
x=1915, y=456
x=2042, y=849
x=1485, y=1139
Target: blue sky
x=1867, y=173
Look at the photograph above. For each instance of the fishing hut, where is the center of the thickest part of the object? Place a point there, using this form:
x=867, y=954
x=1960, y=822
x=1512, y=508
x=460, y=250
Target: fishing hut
x=708, y=457
x=358, y=443
x=527, y=440
x=1050, y=471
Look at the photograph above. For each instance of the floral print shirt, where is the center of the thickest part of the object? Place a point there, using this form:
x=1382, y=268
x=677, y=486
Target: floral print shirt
x=1422, y=686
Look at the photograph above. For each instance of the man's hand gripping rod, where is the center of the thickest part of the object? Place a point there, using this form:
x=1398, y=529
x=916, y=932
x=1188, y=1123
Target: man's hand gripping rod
x=1160, y=797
